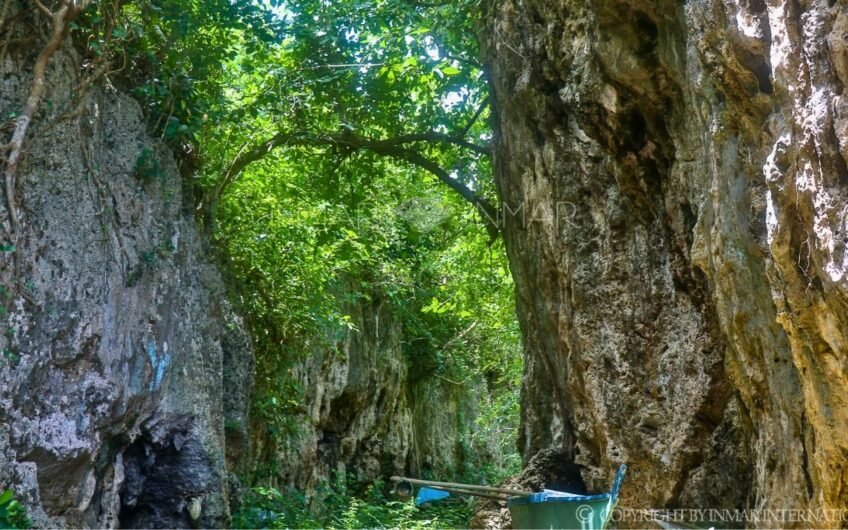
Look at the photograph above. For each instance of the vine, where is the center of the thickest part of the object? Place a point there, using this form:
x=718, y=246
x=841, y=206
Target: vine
x=60, y=25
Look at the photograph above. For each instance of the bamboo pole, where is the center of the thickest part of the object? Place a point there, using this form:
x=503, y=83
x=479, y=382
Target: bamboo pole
x=443, y=485
x=472, y=493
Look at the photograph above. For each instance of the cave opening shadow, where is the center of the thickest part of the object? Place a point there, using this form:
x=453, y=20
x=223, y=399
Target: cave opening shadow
x=164, y=482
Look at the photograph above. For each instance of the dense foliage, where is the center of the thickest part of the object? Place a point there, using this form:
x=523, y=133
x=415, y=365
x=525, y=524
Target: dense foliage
x=314, y=217
x=337, y=152
x=339, y=508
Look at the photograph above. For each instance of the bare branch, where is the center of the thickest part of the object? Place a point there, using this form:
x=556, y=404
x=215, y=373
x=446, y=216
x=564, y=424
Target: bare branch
x=473, y=120
x=43, y=8
x=30, y=107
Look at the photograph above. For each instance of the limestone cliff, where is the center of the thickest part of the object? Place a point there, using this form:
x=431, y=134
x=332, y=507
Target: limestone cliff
x=367, y=415
x=115, y=331
x=674, y=183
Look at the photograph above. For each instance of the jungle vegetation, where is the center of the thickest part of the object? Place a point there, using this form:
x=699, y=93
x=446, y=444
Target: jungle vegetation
x=335, y=151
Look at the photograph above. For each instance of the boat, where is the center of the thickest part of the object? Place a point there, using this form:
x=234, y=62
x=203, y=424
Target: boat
x=556, y=509
x=547, y=509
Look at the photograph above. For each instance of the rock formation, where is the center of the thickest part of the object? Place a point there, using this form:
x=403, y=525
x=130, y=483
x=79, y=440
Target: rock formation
x=368, y=415
x=674, y=183
x=116, y=331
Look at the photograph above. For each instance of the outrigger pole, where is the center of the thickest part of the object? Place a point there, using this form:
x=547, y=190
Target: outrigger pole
x=467, y=489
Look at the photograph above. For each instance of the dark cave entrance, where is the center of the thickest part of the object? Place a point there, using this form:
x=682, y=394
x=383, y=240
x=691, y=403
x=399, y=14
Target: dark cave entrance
x=164, y=479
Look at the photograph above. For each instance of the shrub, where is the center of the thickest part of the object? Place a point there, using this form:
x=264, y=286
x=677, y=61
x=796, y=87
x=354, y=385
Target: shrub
x=334, y=507
x=12, y=513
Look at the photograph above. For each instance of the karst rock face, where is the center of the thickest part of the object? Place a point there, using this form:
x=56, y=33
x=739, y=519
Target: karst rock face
x=675, y=195
x=121, y=360
x=369, y=412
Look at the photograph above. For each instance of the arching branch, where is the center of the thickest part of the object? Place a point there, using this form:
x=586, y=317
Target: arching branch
x=487, y=211
x=395, y=147
x=434, y=137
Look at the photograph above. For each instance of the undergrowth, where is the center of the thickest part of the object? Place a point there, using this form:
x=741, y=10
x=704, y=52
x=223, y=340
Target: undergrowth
x=13, y=514
x=338, y=507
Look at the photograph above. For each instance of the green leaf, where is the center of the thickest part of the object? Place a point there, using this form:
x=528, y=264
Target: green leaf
x=6, y=496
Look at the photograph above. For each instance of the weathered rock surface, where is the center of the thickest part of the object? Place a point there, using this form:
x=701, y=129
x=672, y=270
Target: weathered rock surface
x=112, y=387
x=366, y=416
x=676, y=180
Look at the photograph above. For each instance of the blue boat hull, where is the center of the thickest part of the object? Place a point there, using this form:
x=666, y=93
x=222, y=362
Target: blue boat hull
x=550, y=510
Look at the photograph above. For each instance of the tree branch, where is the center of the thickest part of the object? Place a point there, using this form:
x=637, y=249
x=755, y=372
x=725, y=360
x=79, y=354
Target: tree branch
x=247, y=156
x=435, y=137
x=488, y=213
x=60, y=21
x=473, y=120
x=392, y=147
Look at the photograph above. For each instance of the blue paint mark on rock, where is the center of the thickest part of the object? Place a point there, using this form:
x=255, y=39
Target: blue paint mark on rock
x=158, y=363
